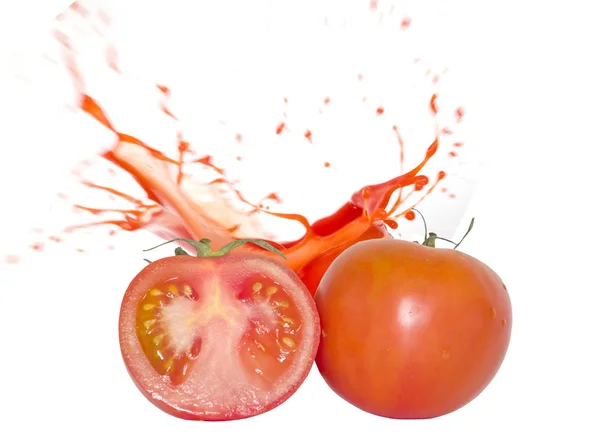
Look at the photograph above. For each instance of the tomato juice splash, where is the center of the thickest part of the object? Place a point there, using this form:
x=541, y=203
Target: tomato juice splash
x=168, y=210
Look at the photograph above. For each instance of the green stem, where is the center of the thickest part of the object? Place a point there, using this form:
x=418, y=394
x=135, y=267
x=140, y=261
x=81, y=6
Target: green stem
x=203, y=248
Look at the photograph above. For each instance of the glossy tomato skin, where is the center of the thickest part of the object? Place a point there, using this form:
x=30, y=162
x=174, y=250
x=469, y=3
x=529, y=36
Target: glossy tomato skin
x=180, y=400
x=312, y=273
x=410, y=331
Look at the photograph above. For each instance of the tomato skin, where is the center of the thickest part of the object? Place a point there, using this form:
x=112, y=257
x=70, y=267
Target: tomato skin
x=156, y=388
x=410, y=331
x=312, y=273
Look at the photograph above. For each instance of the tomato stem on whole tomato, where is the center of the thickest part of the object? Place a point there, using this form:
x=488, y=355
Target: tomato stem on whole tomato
x=431, y=237
x=203, y=248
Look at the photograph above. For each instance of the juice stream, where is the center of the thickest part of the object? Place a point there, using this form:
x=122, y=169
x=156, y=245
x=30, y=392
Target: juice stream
x=173, y=213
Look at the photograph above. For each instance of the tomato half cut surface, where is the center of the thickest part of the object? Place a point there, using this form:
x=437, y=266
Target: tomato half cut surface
x=218, y=338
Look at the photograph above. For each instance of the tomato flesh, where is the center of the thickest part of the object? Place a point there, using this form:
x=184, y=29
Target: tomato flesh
x=410, y=331
x=218, y=338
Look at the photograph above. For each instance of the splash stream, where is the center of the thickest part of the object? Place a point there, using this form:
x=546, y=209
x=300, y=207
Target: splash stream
x=169, y=211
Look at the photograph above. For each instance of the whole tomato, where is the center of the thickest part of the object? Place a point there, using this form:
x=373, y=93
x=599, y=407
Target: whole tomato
x=408, y=330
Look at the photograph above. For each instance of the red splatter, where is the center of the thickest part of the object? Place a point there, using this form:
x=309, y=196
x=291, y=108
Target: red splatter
x=238, y=137
x=39, y=246
x=405, y=23
x=460, y=113
x=452, y=154
x=327, y=100
x=432, y=104
x=410, y=215
x=111, y=58
x=168, y=211
x=327, y=164
x=458, y=144
x=12, y=259
x=308, y=136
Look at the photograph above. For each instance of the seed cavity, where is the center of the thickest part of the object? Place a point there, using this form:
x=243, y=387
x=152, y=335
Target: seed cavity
x=271, y=290
x=148, y=307
x=158, y=339
x=256, y=287
x=173, y=290
x=187, y=290
x=155, y=292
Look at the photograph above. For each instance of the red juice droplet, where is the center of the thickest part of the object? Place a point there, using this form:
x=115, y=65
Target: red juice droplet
x=327, y=164
x=432, y=104
x=460, y=113
x=452, y=154
x=238, y=137
x=380, y=110
x=12, y=259
x=458, y=144
x=405, y=23
x=280, y=128
x=308, y=136
x=327, y=100
x=38, y=246
x=410, y=215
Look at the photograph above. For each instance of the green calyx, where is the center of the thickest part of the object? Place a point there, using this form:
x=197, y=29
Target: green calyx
x=431, y=237
x=203, y=248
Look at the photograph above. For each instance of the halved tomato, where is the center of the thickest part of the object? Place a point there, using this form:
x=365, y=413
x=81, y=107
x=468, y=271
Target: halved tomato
x=219, y=337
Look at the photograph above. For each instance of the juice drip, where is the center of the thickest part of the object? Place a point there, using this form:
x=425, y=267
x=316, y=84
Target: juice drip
x=168, y=211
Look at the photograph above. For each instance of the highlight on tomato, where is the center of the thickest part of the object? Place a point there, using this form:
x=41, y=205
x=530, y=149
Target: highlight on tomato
x=410, y=330
x=219, y=336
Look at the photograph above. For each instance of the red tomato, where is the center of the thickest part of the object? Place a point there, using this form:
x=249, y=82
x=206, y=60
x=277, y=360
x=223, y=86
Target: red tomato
x=410, y=331
x=218, y=338
x=312, y=273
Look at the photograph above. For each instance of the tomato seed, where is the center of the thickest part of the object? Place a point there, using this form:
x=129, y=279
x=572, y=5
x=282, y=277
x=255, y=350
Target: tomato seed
x=149, y=323
x=289, y=342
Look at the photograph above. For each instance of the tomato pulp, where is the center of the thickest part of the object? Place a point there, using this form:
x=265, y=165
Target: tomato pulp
x=410, y=331
x=218, y=338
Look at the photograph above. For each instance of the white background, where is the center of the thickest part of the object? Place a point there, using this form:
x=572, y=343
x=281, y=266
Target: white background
x=532, y=69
